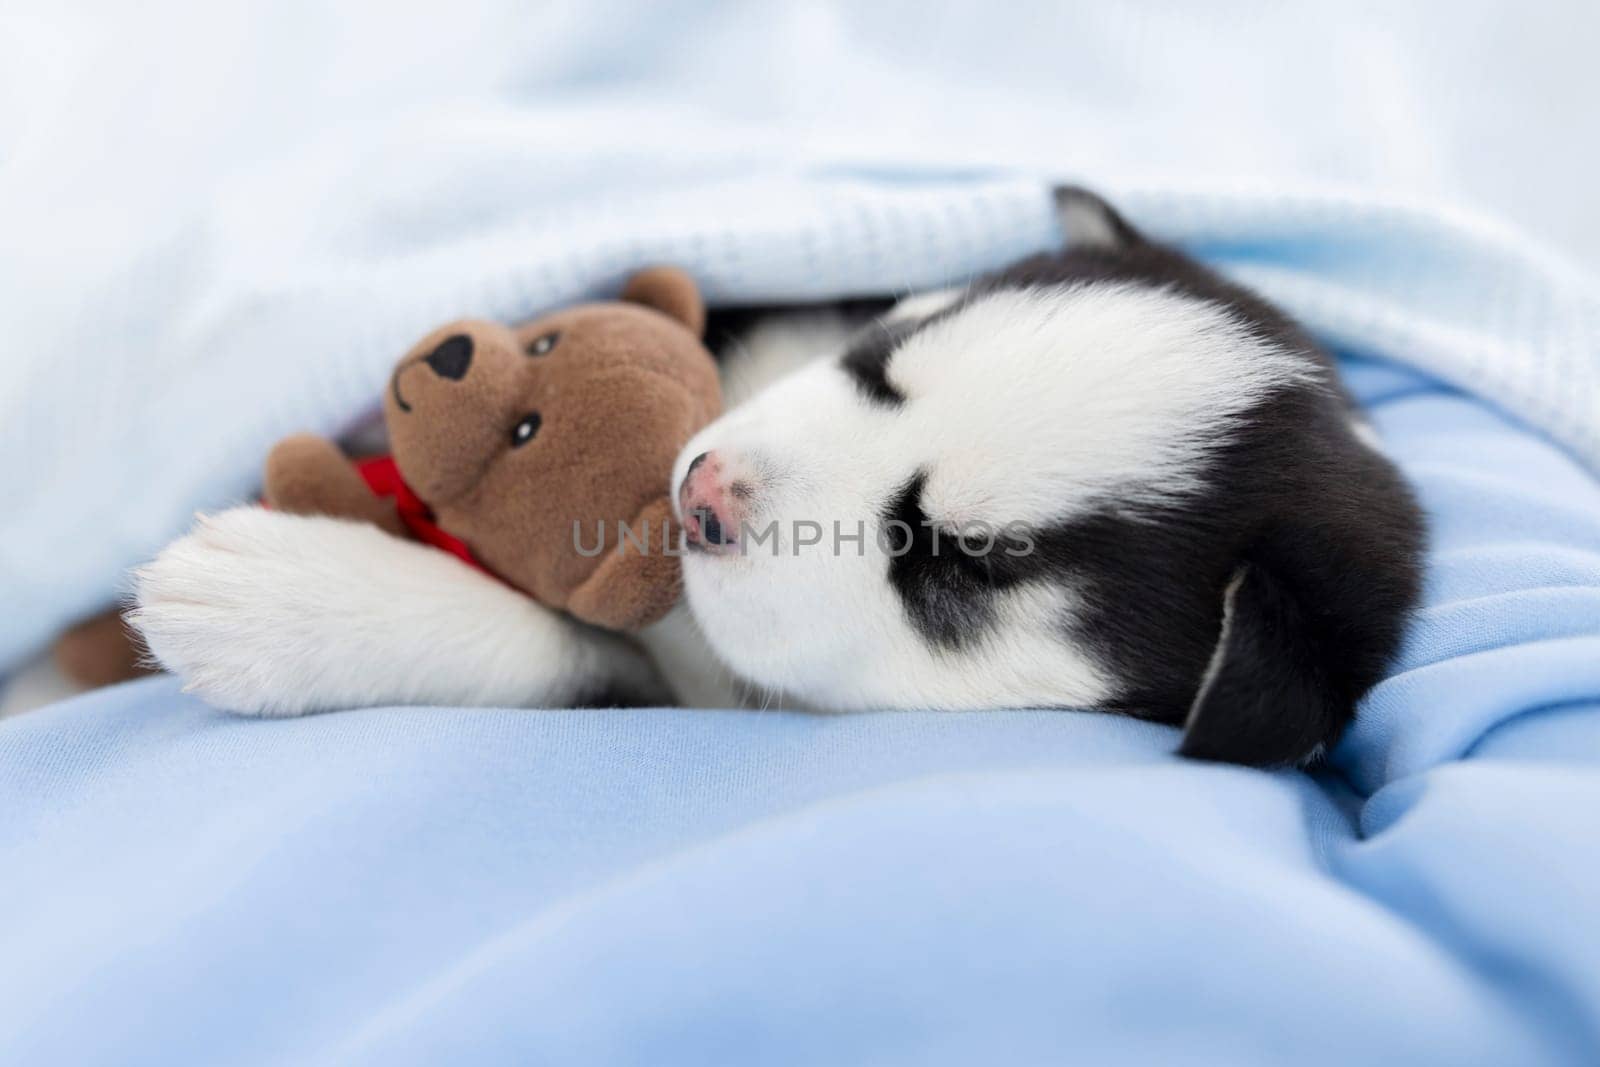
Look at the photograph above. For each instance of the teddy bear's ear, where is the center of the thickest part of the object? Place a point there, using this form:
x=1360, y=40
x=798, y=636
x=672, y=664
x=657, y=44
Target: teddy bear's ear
x=671, y=292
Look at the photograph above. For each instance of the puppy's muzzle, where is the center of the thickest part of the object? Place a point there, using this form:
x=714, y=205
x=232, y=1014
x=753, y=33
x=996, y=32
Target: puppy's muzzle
x=712, y=508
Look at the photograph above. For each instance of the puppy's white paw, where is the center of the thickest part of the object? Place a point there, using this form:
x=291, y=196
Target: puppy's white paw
x=272, y=614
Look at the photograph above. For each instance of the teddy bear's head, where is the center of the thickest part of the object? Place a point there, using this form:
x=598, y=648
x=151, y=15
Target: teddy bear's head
x=540, y=445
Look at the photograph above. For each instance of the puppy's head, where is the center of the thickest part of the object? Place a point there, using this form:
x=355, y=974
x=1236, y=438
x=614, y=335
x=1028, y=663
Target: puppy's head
x=876, y=527
x=1035, y=492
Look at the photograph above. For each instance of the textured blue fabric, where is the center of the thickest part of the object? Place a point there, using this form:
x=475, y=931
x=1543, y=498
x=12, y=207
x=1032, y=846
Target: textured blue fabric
x=664, y=886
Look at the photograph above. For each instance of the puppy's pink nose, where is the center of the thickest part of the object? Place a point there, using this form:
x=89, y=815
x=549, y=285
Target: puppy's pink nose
x=711, y=513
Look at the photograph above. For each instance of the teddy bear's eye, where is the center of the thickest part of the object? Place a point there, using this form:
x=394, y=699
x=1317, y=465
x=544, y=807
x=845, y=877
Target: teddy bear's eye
x=543, y=344
x=523, y=432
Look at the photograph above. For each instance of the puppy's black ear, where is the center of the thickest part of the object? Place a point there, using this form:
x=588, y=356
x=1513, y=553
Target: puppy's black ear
x=1090, y=222
x=1273, y=694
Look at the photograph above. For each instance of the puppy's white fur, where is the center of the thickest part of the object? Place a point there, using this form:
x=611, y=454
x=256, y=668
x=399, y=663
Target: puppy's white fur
x=271, y=614
x=779, y=344
x=1097, y=394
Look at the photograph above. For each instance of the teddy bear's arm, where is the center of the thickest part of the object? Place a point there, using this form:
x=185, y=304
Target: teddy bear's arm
x=101, y=650
x=308, y=475
x=631, y=589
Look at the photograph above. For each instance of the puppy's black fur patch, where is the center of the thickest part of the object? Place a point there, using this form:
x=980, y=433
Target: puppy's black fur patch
x=947, y=590
x=727, y=325
x=1321, y=532
x=866, y=361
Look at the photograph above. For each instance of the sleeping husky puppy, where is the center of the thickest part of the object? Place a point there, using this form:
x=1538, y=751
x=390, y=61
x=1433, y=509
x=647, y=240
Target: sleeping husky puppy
x=1101, y=478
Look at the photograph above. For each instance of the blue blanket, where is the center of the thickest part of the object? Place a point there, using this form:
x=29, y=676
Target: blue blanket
x=667, y=886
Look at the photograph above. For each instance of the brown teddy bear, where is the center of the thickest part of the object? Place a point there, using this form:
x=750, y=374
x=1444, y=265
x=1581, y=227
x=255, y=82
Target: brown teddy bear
x=531, y=452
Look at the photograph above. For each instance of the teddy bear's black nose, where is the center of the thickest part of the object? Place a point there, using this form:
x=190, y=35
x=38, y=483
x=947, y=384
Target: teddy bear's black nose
x=452, y=358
